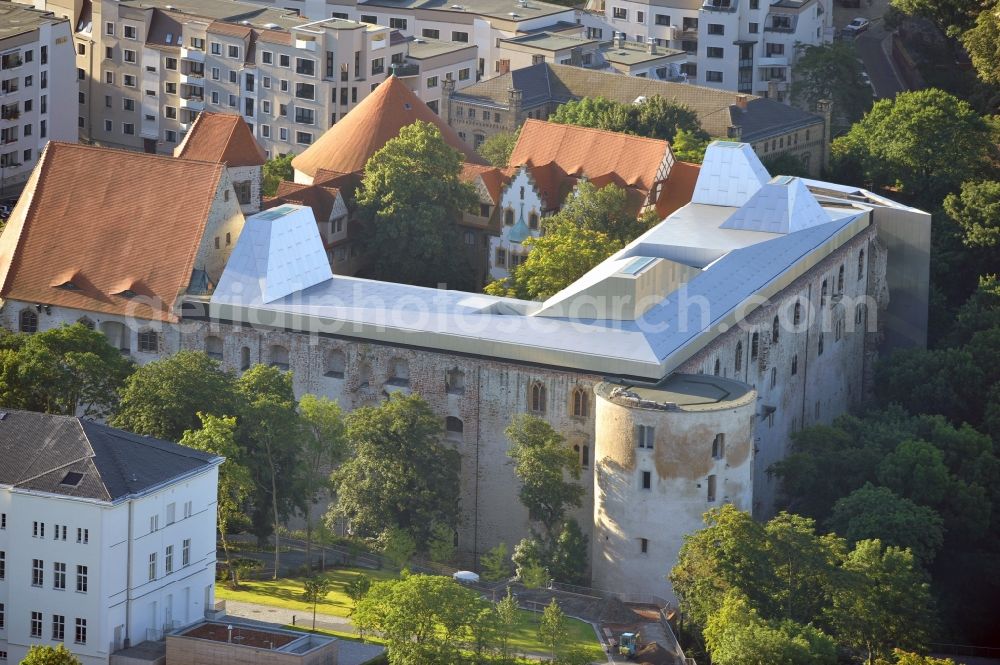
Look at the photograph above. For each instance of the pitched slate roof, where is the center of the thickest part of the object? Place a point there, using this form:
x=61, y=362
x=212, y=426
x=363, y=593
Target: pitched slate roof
x=221, y=137
x=716, y=109
x=348, y=145
x=105, y=463
x=94, y=222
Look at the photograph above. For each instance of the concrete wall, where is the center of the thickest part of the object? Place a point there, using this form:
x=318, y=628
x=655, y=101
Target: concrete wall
x=193, y=651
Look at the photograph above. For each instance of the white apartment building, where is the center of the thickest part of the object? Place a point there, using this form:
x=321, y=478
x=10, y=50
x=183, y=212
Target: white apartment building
x=741, y=45
x=107, y=538
x=36, y=75
x=484, y=23
x=146, y=69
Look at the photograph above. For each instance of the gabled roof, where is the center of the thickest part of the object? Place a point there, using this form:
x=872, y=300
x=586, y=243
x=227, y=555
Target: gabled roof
x=626, y=160
x=492, y=178
x=108, y=221
x=221, y=137
x=347, y=145
x=317, y=197
x=81, y=458
x=783, y=205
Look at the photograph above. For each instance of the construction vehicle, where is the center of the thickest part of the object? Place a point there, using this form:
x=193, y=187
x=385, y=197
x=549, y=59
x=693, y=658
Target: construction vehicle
x=628, y=645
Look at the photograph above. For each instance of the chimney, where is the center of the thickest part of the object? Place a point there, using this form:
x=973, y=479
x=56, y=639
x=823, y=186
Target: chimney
x=619, y=40
x=651, y=45
x=741, y=101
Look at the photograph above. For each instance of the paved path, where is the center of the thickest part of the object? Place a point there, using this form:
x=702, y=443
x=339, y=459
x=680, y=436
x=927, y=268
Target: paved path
x=871, y=50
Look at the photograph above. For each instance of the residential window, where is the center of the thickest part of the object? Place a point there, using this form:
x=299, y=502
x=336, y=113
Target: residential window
x=713, y=76
x=647, y=480
x=716, y=29
x=716, y=52
x=267, y=57
x=128, y=80
x=644, y=436
x=3, y=624
x=460, y=37
x=463, y=74
x=128, y=104
x=109, y=78
x=58, y=627
x=129, y=32
x=754, y=28
x=378, y=66
x=109, y=28
x=28, y=323
x=152, y=566
x=216, y=48
x=83, y=536
x=186, y=552
x=81, y=579
x=432, y=81
x=431, y=33
x=149, y=341
x=303, y=138
x=305, y=67
x=58, y=575
x=397, y=23
x=171, y=88
x=640, y=17
x=284, y=60
x=36, y=624
x=233, y=51
x=37, y=572
x=3, y=564
x=3, y=521
x=711, y=488
x=619, y=13
x=129, y=56
x=305, y=116
x=283, y=132
x=168, y=560
x=369, y=18
x=719, y=446
x=38, y=528
x=170, y=112
x=188, y=504
x=305, y=91
x=81, y=631
x=662, y=19
x=501, y=259
x=536, y=394
x=644, y=546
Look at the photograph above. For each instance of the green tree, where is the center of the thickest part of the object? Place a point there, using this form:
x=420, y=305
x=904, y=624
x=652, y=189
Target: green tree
x=495, y=564
x=497, y=148
x=976, y=209
x=737, y=635
x=832, y=71
x=529, y=563
x=507, y=618
x=878, y=512
x=596, y=112
x=952, y=17
x=552, y=629
x=982, y=42
x=882, y=601
x=409, y=200
x=62, y=370
x=655, y=117
x=164, y=397
x=357, y=588
x=568, y=560
x=557, y=259
x=314, y=590
x=425, y=619
x=980, y=312
x=690, y=146
x=268, y=431
x=46, y=655
x=276, y=170
x=802, y=565
x=606, y=210
x=549, y=472
x=944, y=381
x=399, y=473
x=901, y=657
x=441, y=547
x=323, y=447
x=786, y=164
x=398, y=547
x=916, y=470
x=926, y=143
x=217, y=436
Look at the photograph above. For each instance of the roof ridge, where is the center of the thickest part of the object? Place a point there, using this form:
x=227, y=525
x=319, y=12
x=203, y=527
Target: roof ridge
x=573, y=127
x=150, y=155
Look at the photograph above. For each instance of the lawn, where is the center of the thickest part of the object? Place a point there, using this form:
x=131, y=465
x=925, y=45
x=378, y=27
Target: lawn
x=287, y=593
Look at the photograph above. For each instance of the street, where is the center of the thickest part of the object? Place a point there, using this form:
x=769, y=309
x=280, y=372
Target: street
x=870, y=50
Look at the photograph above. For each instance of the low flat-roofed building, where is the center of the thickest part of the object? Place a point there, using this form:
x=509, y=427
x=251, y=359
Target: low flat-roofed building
x=211, y=642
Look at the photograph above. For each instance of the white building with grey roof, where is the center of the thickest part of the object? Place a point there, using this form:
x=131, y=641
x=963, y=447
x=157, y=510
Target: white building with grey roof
x=107, y=538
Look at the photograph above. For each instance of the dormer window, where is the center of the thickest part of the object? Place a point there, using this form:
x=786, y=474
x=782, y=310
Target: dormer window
x=68, y=285
x=127, y=293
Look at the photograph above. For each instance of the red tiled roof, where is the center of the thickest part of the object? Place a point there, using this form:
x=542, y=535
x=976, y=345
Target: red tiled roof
x=678, y=189
x=221, y=137
x=493, y=178
x=107, y=221
x=318, y=197
x=348, y=145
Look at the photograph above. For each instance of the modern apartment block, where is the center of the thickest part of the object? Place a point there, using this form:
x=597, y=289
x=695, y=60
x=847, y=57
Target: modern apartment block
x=36, y=76
x=107, y=538
x=146, y=69
x=739, y=45
x=484, y=23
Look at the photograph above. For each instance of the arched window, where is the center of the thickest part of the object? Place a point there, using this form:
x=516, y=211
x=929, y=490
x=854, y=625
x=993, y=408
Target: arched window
x=739, y=356
x=277, y=356
x=583, y=453
x=213, y=347
x=718, y=367
x=453, y=425
x=754, y=346
x=819, y=345
x=522, y=192
x=840, y=279
x=148, y=341
x=533, y=221
x=508, y=217
x=536, y=397
x=335, y=364
x=797, y=313
x=581, y=403
x=27, y=321
x=245, y=358
x=118, y=335
x=454, y=382
x=795, y=364
x=775, y=326
x=861, y=264
x=86, y=323
x=399, y=372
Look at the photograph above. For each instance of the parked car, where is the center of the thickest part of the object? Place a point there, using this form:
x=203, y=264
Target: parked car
x=5, y=210
x=857, y=26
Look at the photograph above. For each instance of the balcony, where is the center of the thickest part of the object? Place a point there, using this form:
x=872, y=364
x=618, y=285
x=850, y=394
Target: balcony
x=193, y=103
x=773, y=61
x=193, y=79
x=720, y=5
x=192, y=54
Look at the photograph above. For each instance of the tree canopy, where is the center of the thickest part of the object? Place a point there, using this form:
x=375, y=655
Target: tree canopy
x=410, y=199
x=950, y=16
x=276, y=170
x=47, y=655
x=655, y=117
x=832, y=71
x=399, y=473
x=61, y=370
x=497, y=148
x=982, y=42
x=926, y=143
x=976, y=209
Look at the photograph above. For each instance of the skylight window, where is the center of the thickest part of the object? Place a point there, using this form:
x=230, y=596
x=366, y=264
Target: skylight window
x=637, y=265
x=72, y=479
